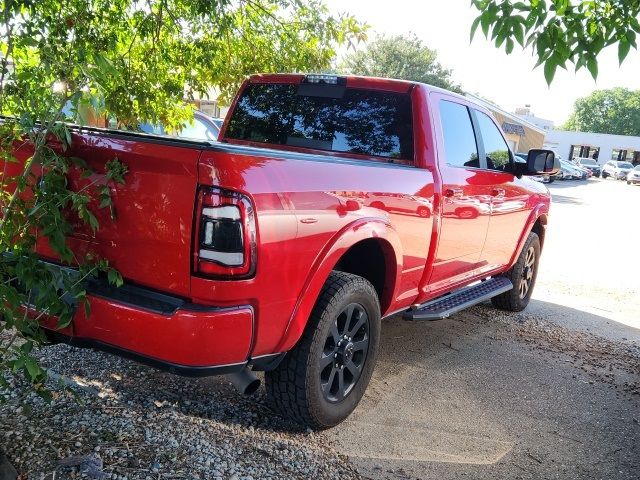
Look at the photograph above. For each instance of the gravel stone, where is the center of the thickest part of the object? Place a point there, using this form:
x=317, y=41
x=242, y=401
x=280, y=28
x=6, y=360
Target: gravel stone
x=144, y=423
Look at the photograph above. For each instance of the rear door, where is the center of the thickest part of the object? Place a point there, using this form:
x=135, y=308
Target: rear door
x=466, y=201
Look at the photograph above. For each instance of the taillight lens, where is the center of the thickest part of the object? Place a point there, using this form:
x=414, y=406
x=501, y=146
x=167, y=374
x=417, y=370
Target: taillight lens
x=225, y=236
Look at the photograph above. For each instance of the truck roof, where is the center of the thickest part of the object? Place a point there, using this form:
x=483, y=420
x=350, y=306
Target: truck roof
x=353, y=81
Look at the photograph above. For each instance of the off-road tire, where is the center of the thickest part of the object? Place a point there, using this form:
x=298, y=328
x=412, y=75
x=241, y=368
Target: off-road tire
x=511, y=300
x=294, y=387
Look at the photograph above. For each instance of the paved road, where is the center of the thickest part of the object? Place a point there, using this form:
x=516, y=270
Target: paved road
x=533, y=395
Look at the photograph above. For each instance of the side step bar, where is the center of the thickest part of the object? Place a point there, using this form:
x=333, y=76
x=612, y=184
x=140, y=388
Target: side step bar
x=441, y=307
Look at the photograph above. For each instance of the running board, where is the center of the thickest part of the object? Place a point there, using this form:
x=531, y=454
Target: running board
x=453, y=302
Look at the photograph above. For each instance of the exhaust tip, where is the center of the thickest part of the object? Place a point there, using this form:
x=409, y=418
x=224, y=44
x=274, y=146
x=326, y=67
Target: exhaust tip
x=252, y=387
x=245, y=381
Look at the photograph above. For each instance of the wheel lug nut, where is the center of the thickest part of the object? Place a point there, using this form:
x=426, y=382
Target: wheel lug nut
x=335, y=355
x=341, y=367
x=337, y=365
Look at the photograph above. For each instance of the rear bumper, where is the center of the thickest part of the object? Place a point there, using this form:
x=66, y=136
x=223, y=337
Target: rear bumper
x=162, y=331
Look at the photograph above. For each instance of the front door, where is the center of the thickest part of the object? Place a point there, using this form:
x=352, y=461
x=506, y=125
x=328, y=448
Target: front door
x=466, y=198
x=509, y=196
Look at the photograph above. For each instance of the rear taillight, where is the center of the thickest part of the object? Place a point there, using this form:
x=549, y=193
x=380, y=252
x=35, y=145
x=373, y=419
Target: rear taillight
x=225, y=234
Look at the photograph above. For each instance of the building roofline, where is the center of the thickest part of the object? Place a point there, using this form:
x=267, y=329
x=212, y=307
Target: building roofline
x=515, y=118
x=598, y=134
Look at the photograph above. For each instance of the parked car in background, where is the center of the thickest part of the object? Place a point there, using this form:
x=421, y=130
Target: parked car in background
x=590, y=164
x=571, y=172
x=585, y=170
x=202, y=127
x=634, y=176
x=616, y=169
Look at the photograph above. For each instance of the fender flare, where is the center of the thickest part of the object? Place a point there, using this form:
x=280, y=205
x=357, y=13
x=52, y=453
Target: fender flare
x=348, y=236
x=539, y=212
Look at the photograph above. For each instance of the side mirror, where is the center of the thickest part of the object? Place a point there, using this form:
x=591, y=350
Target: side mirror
x=541, y=162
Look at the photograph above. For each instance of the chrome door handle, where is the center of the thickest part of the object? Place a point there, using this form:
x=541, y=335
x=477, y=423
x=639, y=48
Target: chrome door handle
x=498, y=192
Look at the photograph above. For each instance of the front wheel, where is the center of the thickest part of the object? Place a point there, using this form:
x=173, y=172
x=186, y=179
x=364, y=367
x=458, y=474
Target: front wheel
x=523, y=276
x=322, y=380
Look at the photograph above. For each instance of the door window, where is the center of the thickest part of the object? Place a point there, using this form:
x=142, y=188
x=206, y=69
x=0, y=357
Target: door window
x=495, y=148
x=460, y=147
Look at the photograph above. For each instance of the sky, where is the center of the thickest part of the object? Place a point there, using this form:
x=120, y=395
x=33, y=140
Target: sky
x=480, y=67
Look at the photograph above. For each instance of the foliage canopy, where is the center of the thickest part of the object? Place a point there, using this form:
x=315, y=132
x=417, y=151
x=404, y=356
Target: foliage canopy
x=130, y=60
x=561, y=31
x=615, y=111
x=404, y=57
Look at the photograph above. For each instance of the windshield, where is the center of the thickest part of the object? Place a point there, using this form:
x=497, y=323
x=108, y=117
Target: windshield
x=587, y=161
x=334, y=118
x=624, y=165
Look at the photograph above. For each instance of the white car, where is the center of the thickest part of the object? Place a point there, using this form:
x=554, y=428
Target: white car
x=634, y=176
x=617, y=170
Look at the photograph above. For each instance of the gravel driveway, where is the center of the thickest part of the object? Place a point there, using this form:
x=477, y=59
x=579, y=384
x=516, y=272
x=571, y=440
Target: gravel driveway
x=553, y=392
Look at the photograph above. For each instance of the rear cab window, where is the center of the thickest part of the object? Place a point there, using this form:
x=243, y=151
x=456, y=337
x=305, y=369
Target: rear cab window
x=328, y=117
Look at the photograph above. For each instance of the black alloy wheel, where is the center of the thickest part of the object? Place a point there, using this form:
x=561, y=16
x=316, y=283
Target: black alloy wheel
x=526, y=280
x=345, y=352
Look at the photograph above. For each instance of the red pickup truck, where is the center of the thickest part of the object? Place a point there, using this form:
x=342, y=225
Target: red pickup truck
x=328, y=204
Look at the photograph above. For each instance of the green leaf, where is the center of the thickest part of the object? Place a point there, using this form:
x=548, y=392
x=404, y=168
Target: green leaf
x=485, y=23
x=592, y=65
x=509, y=48
x=518, y=32
x=114, y=278
x=474, y=27
x=87, y=308
x=623, y=50
x=64, y=320
x=33, y=368
x=105, y=202
x=92, y=220
x=550, y=67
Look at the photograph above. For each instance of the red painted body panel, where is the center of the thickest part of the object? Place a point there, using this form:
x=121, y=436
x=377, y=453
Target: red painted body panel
x=187, y=338
x=151, y=241
x=311, y=207
x=304, y=220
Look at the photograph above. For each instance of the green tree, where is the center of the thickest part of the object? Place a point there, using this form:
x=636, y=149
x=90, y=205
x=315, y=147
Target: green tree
x=402, y=56
x=561, y=31
x=132, y=60
x=615, y=111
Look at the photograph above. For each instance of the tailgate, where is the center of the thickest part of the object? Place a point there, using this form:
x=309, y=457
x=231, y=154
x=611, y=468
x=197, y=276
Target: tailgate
x=150, y=240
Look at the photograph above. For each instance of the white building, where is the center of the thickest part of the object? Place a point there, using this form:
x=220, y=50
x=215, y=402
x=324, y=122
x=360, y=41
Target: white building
x=601, y=146
x=525, y=114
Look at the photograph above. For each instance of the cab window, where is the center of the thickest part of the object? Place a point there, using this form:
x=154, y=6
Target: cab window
x=496, y=149
x=460, y=147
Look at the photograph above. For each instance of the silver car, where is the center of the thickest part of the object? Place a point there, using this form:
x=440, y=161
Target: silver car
x=634, y=176
x=617, y=170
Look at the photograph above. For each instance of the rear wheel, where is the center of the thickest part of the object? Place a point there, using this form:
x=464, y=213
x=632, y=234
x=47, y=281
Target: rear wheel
x=523, y=276
x=321, y=381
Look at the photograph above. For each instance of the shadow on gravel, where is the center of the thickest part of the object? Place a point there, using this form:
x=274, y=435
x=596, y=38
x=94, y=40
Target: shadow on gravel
x=487, y=394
